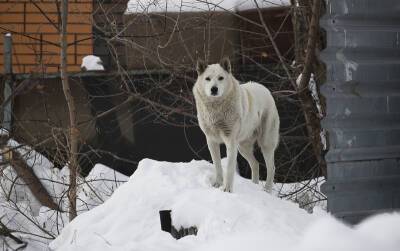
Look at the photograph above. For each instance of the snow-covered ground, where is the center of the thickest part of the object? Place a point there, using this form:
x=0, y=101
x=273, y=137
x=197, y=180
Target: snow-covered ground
x=147, y=6
x=124, y=212
x=247, y=219
x=38, y=225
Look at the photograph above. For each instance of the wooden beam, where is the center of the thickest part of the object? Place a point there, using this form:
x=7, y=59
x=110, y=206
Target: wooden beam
x=26, y=173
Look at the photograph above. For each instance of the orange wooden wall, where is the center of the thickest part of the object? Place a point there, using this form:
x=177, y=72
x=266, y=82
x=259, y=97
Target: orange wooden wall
x=33, y=24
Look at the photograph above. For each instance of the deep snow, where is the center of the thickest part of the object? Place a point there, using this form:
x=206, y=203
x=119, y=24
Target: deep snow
x=35, y=224
x=247, y=219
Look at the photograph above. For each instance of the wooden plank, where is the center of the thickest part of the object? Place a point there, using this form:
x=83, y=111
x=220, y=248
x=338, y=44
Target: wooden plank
x=84, y=49
x=9, y=18
x=36, y=40
x=52, y=8
x=54, y=58
x=19, y=28
x=26, y=173
x=38, y=18
x=55, y=38
x=11, y=7
x=50, y=29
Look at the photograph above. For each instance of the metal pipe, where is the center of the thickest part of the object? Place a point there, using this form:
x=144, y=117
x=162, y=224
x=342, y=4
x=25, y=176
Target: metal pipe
x=8, y=84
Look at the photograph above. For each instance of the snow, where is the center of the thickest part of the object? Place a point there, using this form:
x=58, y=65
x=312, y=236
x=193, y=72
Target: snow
x=306, y=193
x=92, y=63
x=381, y=232
x=124, y=212
x=324, y=142
x=248, y=218
x=98, y=186
x=20, y=211
x=312, y=86
x=147, y=6
x=4, y=132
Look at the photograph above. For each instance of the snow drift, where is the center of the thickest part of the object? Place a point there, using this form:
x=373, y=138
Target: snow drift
x=247, y=219
x=36, y=224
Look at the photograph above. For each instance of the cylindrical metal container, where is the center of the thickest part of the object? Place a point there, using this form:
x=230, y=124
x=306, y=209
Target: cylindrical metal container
x=363, y=107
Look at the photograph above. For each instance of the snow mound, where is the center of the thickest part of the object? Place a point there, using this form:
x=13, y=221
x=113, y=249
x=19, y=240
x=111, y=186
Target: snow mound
x=98, y=186
x=247, y=219
x=147, y=6
x=34, y=223
x=129, y=220
x=92, y=63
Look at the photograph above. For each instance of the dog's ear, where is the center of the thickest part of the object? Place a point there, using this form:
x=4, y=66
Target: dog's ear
x=200, y=66
x=226, y=64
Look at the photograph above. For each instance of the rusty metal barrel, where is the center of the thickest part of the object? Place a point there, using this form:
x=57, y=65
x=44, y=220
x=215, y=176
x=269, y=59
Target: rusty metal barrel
x=362, y=93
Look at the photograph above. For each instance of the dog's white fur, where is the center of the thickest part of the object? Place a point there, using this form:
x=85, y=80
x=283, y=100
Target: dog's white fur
x=238, y=116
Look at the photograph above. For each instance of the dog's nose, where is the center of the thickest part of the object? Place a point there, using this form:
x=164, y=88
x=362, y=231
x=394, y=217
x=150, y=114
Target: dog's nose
x=214, y=90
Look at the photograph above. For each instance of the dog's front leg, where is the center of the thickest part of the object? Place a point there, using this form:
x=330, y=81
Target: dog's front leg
x=231, y=151
x=216, y=158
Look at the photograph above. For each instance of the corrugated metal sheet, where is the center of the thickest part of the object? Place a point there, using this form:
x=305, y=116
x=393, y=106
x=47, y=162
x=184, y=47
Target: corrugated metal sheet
x=363, y=106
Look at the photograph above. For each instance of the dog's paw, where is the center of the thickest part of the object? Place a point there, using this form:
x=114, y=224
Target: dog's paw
x=227, y=188
x=268, y=188
x=218, y=181
x=255, y=180
x=217, y=184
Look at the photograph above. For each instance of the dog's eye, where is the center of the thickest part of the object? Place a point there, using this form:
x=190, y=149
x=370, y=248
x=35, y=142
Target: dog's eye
x=208, y=78
x=221, y=78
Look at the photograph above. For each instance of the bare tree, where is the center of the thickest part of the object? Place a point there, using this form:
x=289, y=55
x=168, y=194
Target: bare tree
x=309, y=108
x=73, y=128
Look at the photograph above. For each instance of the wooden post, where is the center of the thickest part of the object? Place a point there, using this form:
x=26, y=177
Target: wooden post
x=27, y=174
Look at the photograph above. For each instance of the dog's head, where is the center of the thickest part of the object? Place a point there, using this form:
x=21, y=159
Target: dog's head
x=214, y=79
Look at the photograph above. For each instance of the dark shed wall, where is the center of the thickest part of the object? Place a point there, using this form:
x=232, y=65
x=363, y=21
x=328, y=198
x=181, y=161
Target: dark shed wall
x=40, y=120
x=107, y=21
x=363, y=107
x=254, y=42
x=177, y=40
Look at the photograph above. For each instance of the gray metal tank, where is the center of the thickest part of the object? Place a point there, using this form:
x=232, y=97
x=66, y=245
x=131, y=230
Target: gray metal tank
x=363, y=107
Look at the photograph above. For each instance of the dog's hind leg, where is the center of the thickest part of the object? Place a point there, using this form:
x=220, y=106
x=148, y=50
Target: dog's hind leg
x=246, y=150
x=216, y=158
x=268, y=142
x=268, y=153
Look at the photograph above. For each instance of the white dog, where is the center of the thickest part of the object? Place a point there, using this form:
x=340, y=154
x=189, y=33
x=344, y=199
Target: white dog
x=238, y=116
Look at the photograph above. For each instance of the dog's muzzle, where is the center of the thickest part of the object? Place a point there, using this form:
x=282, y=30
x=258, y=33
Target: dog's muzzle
x=214, y=91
